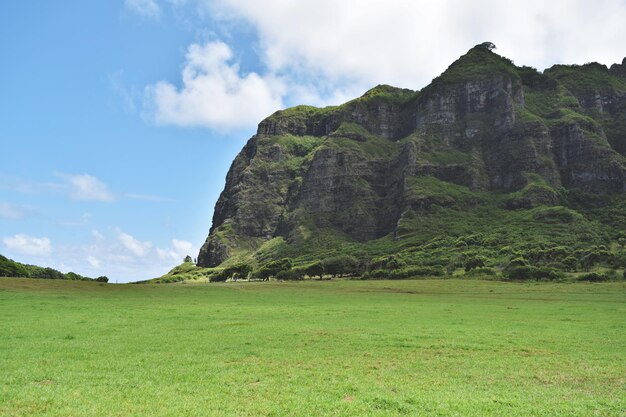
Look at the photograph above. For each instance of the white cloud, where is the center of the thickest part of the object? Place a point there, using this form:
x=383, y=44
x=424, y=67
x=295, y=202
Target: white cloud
x=93, y=261
x=182, y=246
x=407, y=43
x=87, y=187
x=325, y=52
x=28, y=245
x=178, y=251
x=11, y=212
x=123, y=259
x=144, y=8
x=215, y=93
x=135, y=246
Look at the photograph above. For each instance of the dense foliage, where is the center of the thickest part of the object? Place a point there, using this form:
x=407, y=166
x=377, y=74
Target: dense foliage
x=10, y=268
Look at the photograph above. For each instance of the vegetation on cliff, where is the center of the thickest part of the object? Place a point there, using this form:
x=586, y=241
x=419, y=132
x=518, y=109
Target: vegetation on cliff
x=522, y=170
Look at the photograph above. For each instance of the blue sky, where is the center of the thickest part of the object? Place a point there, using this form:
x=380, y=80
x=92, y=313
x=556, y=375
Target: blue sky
x=119, y=119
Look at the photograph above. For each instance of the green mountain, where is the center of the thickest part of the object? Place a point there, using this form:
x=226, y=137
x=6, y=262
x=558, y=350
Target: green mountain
x=491, y=166
x=11, y=268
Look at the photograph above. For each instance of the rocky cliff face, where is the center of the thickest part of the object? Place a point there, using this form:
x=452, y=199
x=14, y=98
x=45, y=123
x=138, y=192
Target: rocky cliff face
x=361, y=168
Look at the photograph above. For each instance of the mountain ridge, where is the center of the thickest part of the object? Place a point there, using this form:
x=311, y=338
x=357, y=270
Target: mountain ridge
x=484, y=130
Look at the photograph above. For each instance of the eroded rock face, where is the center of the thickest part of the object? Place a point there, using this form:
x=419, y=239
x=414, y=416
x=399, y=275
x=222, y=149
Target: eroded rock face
x=484, y=124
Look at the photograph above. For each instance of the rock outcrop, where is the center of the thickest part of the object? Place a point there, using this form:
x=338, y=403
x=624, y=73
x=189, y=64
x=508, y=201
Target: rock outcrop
x=485, y=125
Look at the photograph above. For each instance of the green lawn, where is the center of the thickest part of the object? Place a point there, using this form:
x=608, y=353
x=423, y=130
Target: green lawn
x=341, y=348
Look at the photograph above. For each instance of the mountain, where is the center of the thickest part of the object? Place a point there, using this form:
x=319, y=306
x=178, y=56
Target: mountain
x=491, y=162
x=11, y=268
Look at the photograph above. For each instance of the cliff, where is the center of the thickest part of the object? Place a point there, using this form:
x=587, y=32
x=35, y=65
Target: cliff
x=395, y=169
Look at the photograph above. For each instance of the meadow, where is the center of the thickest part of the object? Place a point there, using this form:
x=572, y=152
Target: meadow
x=334, y=348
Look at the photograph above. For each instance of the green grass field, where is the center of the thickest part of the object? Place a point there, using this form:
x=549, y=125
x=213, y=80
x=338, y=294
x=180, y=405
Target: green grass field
x=341, y=348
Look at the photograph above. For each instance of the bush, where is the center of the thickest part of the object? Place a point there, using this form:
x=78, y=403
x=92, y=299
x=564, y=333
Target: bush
x=478, y=272
x=102, y=279
x=594, y=257
x=273, y=268
x=519, y=261
x=9, y=268
x=169, y=280
x=387, y=262
x=291, y=274
x=619, y=260
x=237, y=271
x=75, y=277
x=526, y=273
x=315, y=269
x=340, y=265
x=218, y=276
x=404, y=273
x=474, y=262
x=570, y=263
x=593, y=277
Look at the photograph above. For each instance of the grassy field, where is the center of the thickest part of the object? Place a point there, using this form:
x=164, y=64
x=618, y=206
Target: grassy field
x=341, y=348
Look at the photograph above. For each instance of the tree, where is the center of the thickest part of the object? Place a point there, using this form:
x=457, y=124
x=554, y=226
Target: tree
x=488, y=45
x=291, y=274
x=315, y=269
x=74, y=276
x=188, y=259
x=102, y=279
x=9, y=268
x=271, y=269
x=340, y=265
x=46, y=273
x=237, y=271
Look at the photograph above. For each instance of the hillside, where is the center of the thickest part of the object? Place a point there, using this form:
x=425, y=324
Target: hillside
x=492, y=167
x=11, y=268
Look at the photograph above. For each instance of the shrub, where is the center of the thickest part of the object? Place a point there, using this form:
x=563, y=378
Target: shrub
x=379, y=274
x=315, y=269
x=593, y=277
x=478, y=272
x=619, y=260
x=404, y=273
x=570, y=263
x=237, y=271
x=218, y=276
x=271, y=269
x=526, y=273
x=387, y=262
x=74, y=277
x=9, y=268
x=474, y=262
x=47, y=273
x=340, y=265
x=171, y=279
x=519, y=261
x=291, y=274
x=593, y=257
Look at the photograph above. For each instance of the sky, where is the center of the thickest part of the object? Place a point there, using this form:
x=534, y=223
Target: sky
x=119, y=119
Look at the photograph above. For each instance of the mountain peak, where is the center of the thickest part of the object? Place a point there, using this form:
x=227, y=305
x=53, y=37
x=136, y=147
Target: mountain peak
x=478, y=63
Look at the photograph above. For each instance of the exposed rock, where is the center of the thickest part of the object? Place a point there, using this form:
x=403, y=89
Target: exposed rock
x=484, y=124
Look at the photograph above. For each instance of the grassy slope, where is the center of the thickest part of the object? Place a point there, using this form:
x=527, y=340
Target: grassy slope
x=379, y=348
